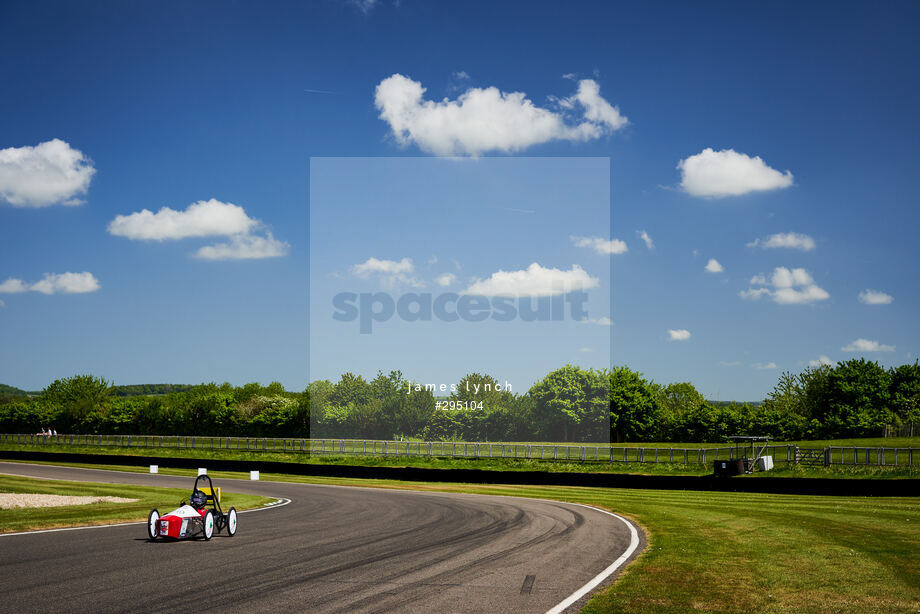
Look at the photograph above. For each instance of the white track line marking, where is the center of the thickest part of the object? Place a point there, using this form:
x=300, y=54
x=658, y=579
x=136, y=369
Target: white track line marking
x=279, y=502
x=268, y=506
x=558, y=609
x=584, y=590
x=596, y=580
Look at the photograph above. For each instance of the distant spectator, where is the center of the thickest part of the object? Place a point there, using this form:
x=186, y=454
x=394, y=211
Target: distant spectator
x=54, y=432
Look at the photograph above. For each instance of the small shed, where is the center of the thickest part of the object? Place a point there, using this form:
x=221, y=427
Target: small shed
x=747, y=456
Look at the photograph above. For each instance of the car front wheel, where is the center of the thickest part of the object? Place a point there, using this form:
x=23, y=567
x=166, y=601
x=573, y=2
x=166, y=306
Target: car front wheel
x=153, y=524
x=208, y=525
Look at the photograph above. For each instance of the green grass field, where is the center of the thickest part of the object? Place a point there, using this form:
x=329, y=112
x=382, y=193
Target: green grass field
x=728, y=552
x=498, y=464
x=29, y=519
x=725, y=552
x=871, y=442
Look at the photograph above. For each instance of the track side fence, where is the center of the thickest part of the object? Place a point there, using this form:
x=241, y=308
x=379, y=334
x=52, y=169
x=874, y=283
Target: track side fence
x=446, y=449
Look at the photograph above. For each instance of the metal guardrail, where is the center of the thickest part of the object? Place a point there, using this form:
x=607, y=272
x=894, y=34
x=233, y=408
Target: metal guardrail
x=835, y=455
x=882, y=457
x=370, y=447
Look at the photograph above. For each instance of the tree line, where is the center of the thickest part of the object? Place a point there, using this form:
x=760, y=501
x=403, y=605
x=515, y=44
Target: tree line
x=856, y=398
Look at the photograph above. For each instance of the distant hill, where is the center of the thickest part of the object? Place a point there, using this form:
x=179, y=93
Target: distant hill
x=727, y=403
x=11, y=391
x=134, y=390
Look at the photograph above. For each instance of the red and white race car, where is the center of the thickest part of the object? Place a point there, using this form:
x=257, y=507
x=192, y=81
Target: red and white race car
x=194, y=519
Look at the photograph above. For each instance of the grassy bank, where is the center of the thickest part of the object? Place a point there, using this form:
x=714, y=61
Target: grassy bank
x=29, y=519
x=864, y=442
x=729, y=552
x=496, y=464
x=721, y=552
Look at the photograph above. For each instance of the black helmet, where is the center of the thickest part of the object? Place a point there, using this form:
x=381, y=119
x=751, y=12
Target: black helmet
x=198, y=499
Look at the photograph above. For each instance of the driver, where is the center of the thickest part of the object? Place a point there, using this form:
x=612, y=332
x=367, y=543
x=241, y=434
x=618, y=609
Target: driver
x=198, y=500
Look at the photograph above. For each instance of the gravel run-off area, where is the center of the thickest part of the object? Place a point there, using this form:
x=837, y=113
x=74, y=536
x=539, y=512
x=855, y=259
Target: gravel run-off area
x=14, y=500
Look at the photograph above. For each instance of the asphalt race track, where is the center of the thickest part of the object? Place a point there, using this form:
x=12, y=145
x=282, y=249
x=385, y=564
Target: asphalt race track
x=331, y=549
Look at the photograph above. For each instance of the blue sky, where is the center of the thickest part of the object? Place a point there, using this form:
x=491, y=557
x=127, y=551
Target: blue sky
x=175, y=104
x=431, y=227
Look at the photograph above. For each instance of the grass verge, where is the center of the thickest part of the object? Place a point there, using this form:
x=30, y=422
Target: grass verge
x=495, y=464
x=726, y=552
x=165, y=499
x=731, y=552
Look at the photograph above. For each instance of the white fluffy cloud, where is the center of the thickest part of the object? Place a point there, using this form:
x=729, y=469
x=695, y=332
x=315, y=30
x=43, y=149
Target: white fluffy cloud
x=866, y=345
x=205, y=218
x=874, y=297
x=53, y=283
x=365, y=6
x=681, y=334
x=386, y=267
x=790, y=287
x=753, y=294
x=602, y=321
x=49, y=173
x=486, y=119
x=392, y=273
x=646, y=239
x=764, y=366
x=717, y=174
x=13, y=286
x=601, y=245
x=713, y=266
x=245, y=247
x=445, y=279
x=820, y=361
x=535, y=280
x=67, y=283
x=790, y=240
x=596, y=109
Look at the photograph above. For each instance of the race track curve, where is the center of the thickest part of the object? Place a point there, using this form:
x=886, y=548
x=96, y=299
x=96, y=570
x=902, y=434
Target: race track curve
x=332, y=549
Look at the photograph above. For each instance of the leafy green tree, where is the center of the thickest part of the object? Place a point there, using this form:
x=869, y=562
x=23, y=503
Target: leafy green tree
x=247, y=391
x=776, y=423
x=333, y=422
x=679, y=398
x=352, y=389
x=78, y=398
x=857, y=400
x=712, y=424
x=806, y=395
x=388, y=396
x=364, y=421
x=415, y=412
x=319, y=393
x=300, y=418
x=572, y=404
x=675, y=400
x=635, y=411
x=787, y=395
x=905, y=392
x=478, y=387
x=274, y=416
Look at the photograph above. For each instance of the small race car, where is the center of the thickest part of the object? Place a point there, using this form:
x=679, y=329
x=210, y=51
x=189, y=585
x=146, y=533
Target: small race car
x=195, y=518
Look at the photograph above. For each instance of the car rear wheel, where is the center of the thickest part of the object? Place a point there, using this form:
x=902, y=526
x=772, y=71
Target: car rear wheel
x=208, y=525
x=153, y=524
x=231, y=522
